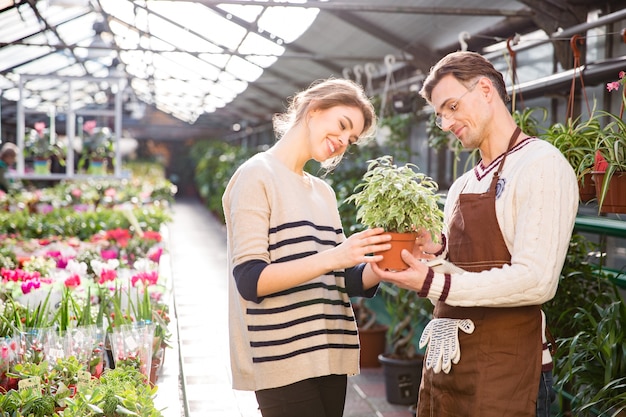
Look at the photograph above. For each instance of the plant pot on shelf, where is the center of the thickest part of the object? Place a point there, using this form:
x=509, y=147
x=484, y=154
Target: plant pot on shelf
x=402, y=378
x=392, y=258
x=97, y=166
x=372, y=342
x=615, y=195
x=41, y=166
x=586, y=188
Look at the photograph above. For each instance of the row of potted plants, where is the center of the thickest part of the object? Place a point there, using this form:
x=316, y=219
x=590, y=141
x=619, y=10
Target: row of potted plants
x=84, y=301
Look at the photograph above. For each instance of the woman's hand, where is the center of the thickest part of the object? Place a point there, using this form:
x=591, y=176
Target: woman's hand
x=361, y=247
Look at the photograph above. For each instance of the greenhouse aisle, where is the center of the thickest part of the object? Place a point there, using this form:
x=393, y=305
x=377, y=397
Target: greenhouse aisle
x=197, y=383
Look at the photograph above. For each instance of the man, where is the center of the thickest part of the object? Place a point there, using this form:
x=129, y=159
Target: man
x=508, y=225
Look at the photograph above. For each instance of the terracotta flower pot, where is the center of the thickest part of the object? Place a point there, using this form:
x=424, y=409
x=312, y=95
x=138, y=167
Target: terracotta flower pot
x=615, y=199
x=587, y=188
x=372, y=343
x=392, y=258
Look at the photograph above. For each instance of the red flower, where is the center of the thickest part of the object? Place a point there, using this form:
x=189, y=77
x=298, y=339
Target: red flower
x=107, y=275
x=151, y=235
x=73, y=281
x=146, y=278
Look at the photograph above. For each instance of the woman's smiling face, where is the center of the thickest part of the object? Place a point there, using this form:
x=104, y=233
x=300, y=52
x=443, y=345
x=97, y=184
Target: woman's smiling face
x=332, y=130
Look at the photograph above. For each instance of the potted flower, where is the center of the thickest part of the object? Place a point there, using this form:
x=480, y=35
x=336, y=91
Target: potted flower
x=42, y=148
x=610, y=157
x=576, y=140
x=402, y=201
x=97, y=148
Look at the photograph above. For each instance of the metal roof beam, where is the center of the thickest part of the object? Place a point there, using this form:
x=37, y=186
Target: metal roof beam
x=376, y=8
x=425, y=55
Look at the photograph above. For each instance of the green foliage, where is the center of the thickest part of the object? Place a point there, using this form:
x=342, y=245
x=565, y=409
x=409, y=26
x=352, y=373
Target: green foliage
x=527, y=121
x=612, y=146
x=587, y=317
x=576, y=139
x=581, y=285
x=122, y=391
x=83, y=225
x=397, y=198
x=215, y=162
x=437, y=138
x=595, y=364
x=408, y=313
x=344, y=179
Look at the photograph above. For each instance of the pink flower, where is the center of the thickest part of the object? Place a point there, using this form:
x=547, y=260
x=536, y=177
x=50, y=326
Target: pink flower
x=62, y=262
x=622, y=74
x=108, y=254
x=76, y=192
x=110, y=192
x=613, y=86
x=53, y=254
x=89, y=126
x=28, y=286
x=146, y=278
x=73, y=281
x=107, y=275
x=39, y=127
x=155, y=255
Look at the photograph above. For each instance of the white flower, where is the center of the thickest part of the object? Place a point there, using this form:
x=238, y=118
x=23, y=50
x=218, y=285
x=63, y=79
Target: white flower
x=75, y=267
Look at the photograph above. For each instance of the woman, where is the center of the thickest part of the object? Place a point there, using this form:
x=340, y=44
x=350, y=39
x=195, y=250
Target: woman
x=293, y=334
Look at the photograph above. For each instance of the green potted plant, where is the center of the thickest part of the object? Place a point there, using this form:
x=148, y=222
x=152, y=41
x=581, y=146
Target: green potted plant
x=97, y=148
x=402, y=363
x=610, y=156
x=576, y=140
x=399, y=199
x=610, y=166
x=39, y=146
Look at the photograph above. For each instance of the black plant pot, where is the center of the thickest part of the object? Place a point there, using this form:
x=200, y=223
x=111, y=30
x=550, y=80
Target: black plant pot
x=402, y=379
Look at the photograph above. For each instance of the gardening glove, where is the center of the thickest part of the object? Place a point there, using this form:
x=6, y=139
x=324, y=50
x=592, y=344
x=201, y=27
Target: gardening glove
x=442, y=337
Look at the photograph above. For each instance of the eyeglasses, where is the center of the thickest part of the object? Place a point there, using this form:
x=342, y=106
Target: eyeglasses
x=452, y=107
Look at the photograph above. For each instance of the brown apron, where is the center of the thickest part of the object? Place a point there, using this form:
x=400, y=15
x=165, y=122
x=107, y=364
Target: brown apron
x=498, y=373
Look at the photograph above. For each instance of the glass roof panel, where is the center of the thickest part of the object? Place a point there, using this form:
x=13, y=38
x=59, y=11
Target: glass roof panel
x=175, y=54
x=51, y=63
x=242, y=69
x=18, y=23
x=254, y=43
x=273, y=20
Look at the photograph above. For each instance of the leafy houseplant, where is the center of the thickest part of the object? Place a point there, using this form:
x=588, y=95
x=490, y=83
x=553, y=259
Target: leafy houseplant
x=41, y=148
x=576, y=140
x=610, y=157
x=402, y=364
x=399, y=199
x=97, y=148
